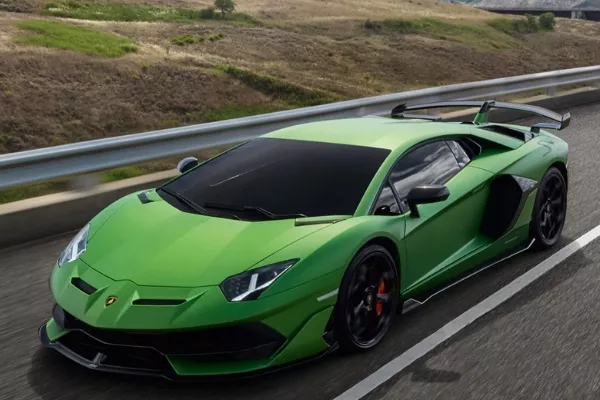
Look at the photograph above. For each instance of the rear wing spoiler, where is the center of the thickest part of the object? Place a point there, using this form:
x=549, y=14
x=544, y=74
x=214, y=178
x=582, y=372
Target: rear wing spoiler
x=561, y=121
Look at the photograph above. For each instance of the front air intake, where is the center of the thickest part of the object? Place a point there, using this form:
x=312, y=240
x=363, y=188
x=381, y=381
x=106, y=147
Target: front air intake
x=83, y=286
x=157, y=302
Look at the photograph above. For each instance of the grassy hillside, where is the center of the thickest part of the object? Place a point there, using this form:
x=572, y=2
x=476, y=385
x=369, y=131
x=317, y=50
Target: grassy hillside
x=113, y=68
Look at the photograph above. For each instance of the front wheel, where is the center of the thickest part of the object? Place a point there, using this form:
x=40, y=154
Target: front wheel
x=550, y=210
x=367, y=300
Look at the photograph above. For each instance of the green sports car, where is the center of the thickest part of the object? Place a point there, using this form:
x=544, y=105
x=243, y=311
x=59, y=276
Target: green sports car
x=305, y=240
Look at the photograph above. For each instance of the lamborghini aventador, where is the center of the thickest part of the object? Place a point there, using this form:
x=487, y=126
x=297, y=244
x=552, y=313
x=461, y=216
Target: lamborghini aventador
x=305, y=240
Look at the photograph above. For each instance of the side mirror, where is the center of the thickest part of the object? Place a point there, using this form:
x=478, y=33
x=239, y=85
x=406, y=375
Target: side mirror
x=425, y=194
x=186, y=164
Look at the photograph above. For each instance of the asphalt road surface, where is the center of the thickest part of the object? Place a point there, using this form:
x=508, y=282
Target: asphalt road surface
x=542, y=343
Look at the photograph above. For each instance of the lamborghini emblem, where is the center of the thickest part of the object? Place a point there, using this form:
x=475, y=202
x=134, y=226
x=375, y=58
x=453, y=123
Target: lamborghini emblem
x=110, y=300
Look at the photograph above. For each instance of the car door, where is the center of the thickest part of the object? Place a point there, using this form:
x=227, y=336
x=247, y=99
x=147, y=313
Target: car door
x=446, y=231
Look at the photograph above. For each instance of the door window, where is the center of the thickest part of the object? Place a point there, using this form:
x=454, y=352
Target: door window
x=431, y=164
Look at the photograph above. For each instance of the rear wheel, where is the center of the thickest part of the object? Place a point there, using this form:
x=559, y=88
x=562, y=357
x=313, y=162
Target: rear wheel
x=367, y=300
x=550, y=210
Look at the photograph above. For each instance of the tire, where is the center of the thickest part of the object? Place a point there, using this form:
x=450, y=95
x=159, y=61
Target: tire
x=367, y=300
x=549, y=210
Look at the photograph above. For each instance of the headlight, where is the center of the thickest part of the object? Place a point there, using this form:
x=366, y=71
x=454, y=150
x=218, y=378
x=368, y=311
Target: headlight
x=75, y=248
x=250, y=284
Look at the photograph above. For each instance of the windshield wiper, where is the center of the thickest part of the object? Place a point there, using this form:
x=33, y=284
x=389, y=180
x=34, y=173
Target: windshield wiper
x=260, y=210
x=184, y=200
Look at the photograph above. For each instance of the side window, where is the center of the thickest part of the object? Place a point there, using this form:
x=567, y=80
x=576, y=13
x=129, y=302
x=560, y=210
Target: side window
x=430, y=164
x=387, y=198
x=459, y=152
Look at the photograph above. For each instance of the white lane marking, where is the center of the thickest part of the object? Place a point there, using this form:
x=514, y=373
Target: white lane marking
x=405, y=359
x=328, y=295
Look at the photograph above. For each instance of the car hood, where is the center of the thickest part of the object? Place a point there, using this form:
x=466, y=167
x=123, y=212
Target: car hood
x=155, y=244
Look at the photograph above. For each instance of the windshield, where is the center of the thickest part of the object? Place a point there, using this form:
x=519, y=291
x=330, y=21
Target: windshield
x=268, y=178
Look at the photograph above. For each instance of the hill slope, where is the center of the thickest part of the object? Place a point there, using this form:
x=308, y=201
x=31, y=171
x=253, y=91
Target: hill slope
x=279, y=57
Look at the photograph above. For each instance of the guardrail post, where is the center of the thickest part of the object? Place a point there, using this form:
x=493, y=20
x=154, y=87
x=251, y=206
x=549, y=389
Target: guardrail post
x=551, y=91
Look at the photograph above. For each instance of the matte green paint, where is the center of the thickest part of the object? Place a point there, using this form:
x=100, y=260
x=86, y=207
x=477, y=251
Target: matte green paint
x=155, y=251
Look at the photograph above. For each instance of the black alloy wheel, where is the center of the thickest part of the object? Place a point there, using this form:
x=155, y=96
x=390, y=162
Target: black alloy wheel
x=550, y=210
x=368, y=299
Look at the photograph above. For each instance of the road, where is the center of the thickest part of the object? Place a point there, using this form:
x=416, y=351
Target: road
x=542, y=343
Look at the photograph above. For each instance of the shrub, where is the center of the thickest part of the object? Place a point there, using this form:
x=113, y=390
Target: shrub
x=182, y=40
x=226, y=6
x=207, y=13
x=532, y=25
x=215, y=37
x=547, y=21
x=372, y=25
x=514, y=26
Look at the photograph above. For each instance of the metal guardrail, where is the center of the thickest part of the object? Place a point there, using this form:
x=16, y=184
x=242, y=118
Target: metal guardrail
x=44, y=164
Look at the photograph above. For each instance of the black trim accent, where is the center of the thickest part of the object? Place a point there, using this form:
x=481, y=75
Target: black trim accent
x=302, y=222
x=487, y=105
x=157, y=302
x=170, y=374
x=83, y=286
x=525, y=136
x=247, y=341
x=144, y=198
x=471, y=146
x=59, y=316
x=427, y=117
x=81, y=360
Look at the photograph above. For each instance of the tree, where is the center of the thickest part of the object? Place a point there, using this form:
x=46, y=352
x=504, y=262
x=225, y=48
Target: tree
x=532, y=25
x=226, y=6
x=547, y=21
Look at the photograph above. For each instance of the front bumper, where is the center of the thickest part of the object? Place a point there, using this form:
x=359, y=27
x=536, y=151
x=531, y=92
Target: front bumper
x=171, y=331
x=241, y=350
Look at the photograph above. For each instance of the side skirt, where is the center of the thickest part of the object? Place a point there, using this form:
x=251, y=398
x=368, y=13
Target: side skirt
x=421, y=299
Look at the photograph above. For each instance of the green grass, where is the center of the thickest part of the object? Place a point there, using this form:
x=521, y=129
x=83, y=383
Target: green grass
x=280, y=89
x=64, y=36
x=214, y=37
x=185, y=39
x=46, y=188
x=516, y=26
x=477, y=35
x=182, y=40
x=102, y=11
x=231, y=112
x=22, y=193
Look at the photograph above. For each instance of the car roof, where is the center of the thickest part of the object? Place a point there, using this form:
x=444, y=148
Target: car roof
x=378, y=132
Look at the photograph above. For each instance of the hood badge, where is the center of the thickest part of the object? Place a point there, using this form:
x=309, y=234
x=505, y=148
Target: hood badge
x=110, y=300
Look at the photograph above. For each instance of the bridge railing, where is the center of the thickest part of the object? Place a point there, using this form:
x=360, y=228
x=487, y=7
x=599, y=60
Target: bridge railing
x=74, y=159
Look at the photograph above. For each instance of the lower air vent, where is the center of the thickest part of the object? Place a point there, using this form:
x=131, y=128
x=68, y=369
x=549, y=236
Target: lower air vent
x=83, y=286
x=157, y=302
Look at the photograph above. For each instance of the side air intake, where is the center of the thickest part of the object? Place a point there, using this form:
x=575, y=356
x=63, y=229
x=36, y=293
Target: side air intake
x=506, y=199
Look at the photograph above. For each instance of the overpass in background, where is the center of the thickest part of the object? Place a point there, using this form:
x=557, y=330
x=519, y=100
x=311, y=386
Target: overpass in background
x=587, y=13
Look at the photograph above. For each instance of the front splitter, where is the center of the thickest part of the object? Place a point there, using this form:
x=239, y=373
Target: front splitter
x=169, y=375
